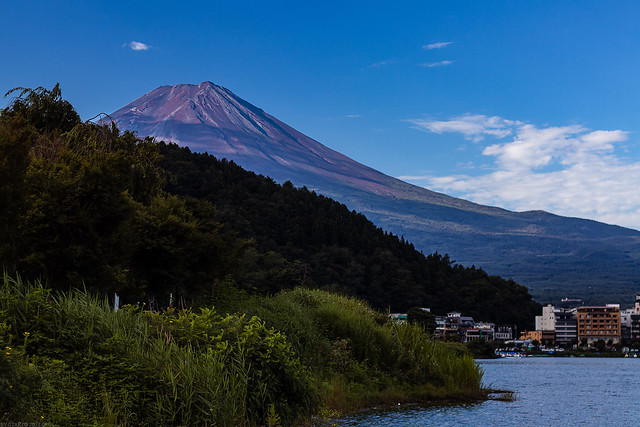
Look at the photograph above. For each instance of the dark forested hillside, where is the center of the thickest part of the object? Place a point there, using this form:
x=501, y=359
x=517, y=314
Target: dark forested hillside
x=82, y=204
x=316, y=241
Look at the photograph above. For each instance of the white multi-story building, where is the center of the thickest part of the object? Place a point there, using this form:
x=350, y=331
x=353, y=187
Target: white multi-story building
x=546, y=322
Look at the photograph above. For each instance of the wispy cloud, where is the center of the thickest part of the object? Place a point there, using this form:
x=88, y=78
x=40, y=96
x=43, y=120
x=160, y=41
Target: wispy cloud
x=436, y=64
x=382, y=63
x=568, y=170
x=353, y=116
x=436, y=45
x=134, y=45
x=473, y=127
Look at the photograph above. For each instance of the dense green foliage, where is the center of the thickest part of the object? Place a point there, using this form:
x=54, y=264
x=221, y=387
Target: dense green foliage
x=419, y=316
x=68, y=358
x=360, y=353
x=83, y=204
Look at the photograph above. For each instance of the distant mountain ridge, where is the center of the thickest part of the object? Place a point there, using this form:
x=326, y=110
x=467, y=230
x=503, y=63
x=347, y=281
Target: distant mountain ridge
x=554, y=256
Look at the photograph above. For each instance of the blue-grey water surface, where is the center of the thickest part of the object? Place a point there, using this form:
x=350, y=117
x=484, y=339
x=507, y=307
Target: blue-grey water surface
x=549, y=392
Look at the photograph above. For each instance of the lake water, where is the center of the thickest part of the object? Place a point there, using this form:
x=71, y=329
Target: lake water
x=549, y=392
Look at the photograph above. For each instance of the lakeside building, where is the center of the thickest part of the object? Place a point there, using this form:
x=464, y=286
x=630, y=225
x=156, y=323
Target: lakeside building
x=634, y=320
x=463, y=328
x=504, y=333
x=566, y=326
x=531, y=336
x=635, y=327
x=548, y=337
x=597, y=323
x=481, y=332
x=547, y=321
x=586, y=324
x=625, y=323
x=454, y=324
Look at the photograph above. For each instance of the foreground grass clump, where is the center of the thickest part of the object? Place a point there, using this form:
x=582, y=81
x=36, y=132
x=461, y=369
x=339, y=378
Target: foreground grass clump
x=70, y=359
x=360, y=358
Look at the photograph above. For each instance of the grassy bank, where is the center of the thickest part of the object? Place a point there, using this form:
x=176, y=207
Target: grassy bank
x=361, y=359
x=70, y=359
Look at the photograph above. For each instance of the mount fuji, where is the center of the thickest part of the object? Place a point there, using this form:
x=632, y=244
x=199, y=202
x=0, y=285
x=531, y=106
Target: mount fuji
x=554, y=256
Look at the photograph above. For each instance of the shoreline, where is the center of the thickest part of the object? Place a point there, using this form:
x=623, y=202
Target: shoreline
x=483, y=395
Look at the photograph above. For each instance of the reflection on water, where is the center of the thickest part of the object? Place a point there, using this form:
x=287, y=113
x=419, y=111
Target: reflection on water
x=549, y=391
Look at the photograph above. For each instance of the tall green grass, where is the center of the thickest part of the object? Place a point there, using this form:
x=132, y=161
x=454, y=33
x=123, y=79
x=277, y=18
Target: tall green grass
x=76, y=361
x=361, y=357
x=70, y=359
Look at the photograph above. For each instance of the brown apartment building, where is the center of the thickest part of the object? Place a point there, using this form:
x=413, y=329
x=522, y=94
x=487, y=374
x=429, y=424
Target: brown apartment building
x=599, y=323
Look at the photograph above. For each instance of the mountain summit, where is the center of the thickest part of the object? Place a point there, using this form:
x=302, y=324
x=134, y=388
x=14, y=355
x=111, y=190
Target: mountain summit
x=554, y=256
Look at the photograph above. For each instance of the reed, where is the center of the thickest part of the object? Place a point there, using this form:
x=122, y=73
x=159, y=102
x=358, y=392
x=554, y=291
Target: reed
x=360, y=358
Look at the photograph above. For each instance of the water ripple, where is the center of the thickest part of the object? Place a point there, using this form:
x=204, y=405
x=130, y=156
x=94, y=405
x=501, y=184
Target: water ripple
x=550, y=392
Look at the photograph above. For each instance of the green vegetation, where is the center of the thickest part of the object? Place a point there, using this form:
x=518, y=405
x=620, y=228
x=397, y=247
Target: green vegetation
x=83, y=205
x=426, y=319
x=484, y=349
x=361, y=355
x=70, y=359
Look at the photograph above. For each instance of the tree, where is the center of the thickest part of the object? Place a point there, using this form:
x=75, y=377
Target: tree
x=181, y=249
x=16, y=139
x=43, y=109
x=420, y=316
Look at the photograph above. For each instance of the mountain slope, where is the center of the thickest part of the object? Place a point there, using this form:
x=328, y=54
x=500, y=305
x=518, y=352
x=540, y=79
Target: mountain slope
x=554, y=256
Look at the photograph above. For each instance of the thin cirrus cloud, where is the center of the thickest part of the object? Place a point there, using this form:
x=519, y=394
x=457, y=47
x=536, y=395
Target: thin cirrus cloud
x=382, y=63
x=568, y=170
x=134, y=45
x=436, y=64
x=436, y=45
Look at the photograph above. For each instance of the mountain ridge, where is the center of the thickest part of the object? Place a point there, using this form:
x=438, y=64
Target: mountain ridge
x=543, y=251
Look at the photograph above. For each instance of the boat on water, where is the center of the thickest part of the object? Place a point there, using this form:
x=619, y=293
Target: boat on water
x=510, y=354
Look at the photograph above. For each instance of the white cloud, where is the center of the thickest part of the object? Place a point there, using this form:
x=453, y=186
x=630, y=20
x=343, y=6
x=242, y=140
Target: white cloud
x=436, y=45
x=353, y=116
x=567, y=170
x=138, y=46
x=473, y=127
x=436, y=64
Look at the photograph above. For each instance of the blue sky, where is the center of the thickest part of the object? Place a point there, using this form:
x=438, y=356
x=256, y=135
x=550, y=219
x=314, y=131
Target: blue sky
x=523, y=105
